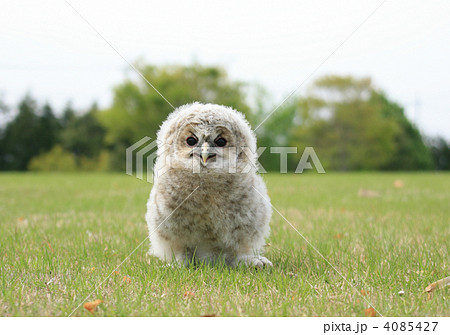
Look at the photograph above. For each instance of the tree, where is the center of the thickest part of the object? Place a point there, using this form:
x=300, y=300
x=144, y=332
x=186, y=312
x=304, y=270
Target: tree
x=138, y=110
x=440, y=151
x=275, y=131
x=32, y=132
x=48, y=128
x=20, y=138
x=68, y=115
x=83, y=135
x=411, y=153
x=353, y=126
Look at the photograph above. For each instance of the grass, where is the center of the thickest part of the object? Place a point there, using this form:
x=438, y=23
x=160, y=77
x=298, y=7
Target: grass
x=72, y=230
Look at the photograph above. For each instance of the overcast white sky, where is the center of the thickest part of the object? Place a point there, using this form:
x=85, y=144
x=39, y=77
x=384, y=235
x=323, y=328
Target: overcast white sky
x=48, y=50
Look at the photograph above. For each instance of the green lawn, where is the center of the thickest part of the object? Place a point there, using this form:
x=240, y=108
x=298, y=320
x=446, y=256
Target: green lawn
x=72, y=230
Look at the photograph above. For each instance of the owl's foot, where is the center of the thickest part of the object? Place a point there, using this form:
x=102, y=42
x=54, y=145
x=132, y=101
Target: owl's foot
x=253, y=261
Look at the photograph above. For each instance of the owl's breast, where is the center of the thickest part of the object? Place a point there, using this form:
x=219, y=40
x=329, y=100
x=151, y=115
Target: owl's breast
x=206, y=208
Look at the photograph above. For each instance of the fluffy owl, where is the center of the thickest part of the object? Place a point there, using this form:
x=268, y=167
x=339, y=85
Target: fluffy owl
x=208, y=202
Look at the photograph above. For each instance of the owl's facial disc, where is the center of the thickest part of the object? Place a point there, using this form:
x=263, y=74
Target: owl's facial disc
x=205, y=147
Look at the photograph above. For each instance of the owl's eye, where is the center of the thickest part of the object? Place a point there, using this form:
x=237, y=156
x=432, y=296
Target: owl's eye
x=191, y=140
x=221, y=142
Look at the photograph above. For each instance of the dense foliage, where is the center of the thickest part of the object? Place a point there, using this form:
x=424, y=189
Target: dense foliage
x=350, y=124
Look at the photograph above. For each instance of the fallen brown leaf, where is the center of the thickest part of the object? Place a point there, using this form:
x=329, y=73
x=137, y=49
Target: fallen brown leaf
x=188, y=294
x=370, y=312
x=398, y=183
x=363, y=292
x=209, y=315
x=438, y=284
x=92, y=305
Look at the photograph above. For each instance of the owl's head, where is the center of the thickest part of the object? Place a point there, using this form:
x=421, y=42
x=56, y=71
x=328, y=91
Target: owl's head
x=206, y=138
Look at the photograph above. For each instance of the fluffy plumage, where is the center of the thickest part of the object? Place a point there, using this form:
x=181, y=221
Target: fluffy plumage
x=227, y=210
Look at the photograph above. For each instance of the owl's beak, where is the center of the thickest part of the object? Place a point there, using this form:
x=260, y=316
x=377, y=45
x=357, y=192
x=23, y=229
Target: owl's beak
x=206, y=153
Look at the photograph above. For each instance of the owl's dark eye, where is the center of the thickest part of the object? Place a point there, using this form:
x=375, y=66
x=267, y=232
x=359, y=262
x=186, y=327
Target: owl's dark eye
x=221, y=142
x=191, y=140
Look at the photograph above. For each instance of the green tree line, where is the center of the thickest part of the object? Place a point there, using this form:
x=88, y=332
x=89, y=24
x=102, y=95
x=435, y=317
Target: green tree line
x=350, y=124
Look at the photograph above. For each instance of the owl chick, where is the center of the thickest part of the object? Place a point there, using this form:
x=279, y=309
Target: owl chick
x=208, y=202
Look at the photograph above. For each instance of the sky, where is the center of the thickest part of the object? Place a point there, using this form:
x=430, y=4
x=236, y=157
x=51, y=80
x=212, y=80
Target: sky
x=51, y=51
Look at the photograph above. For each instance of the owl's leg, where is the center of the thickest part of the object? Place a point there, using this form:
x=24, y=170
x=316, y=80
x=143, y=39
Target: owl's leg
x=248, y=257
x=248, y=251
x=167, y=250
